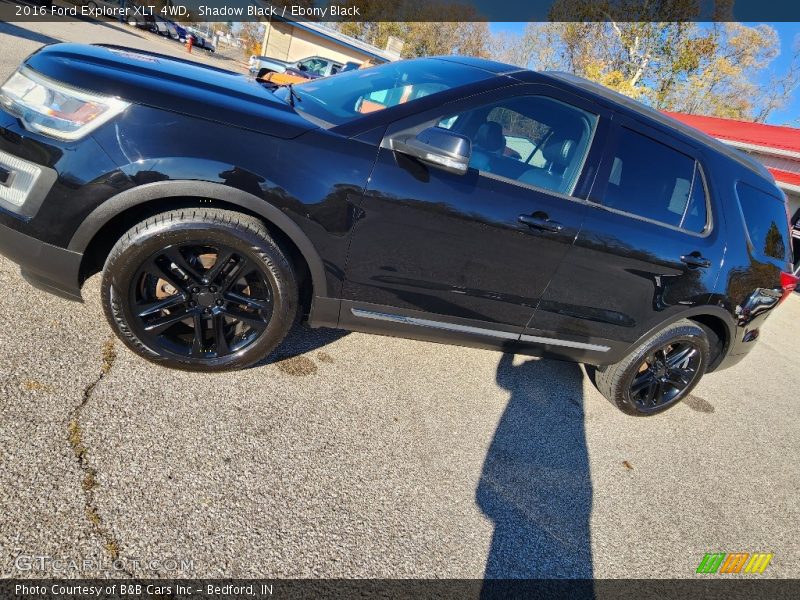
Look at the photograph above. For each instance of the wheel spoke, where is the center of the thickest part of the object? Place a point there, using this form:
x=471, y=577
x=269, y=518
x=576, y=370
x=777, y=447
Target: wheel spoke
x=681, y=376
x=223, y=258
x=662, y=356
x=234, y=274
x=658, y=393
x=155, y=269
x=158, y=326
x=678, y=378
x=650, y=391
x=219, y=334
x=681, y=357
x=641, y=382
x=174, y=254
x=154, y=307
x=198, y=341
x=253, y=321
x=253, y=303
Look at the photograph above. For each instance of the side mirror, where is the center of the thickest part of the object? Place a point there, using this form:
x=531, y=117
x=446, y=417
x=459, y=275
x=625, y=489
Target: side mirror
x=438, y=147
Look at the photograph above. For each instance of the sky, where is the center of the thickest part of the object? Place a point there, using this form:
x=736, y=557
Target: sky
x=788, y=32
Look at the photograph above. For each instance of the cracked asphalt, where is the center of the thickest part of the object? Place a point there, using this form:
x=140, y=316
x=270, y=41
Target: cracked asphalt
x=361, y=456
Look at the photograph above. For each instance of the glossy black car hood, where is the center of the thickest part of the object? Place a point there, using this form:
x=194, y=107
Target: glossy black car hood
x=169, y=83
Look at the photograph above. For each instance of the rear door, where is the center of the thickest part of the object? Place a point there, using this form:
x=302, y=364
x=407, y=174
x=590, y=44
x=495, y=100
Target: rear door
x=471, y=255
x=650, y=247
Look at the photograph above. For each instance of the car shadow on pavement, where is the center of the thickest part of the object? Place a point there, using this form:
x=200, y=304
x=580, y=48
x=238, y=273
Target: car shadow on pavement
x=535, y=485
x=301, y=340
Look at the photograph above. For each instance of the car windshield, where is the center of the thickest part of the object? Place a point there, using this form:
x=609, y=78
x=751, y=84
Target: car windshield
x=352, y=94
x=313, y=65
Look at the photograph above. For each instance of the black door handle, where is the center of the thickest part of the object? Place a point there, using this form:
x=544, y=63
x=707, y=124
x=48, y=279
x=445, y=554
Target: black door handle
x=695, y=260
x=542, y=223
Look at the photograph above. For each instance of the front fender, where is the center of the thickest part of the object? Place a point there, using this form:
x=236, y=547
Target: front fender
x=161, y=190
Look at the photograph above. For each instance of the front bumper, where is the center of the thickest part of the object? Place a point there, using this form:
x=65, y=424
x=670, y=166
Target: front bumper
x=47, y=267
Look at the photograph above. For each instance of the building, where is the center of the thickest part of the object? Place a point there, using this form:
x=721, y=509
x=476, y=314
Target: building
x=777, y=148
x=290, y=40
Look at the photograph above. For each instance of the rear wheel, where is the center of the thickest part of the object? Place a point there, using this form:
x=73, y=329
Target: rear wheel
x=204, y=290
x=659, y=373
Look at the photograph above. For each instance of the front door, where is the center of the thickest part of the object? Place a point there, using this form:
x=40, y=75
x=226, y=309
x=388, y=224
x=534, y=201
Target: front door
x=471, y=255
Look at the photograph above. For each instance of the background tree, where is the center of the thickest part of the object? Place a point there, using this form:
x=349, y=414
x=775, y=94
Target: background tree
x=716, y=69
x=778, y=91
x=426, y=29
x=656, y=52
x=252, y=36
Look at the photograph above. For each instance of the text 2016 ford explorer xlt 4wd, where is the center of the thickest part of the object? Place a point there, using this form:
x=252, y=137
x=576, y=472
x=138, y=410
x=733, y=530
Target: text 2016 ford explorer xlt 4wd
x=447, y=199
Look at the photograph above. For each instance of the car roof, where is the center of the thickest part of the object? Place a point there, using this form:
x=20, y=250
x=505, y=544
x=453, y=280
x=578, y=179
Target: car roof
x=610, y=96
x=657, y=116
x=498, y=68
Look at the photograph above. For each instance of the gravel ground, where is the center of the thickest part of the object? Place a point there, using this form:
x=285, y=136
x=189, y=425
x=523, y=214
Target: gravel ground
x=361, y=456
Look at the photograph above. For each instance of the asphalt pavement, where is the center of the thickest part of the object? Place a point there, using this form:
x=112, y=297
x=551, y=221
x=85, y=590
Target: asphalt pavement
x=348, y=455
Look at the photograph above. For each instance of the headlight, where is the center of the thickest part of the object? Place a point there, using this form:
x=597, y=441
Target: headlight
x=54, y=109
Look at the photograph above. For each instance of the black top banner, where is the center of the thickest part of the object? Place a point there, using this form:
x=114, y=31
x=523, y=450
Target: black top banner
x=224, y=11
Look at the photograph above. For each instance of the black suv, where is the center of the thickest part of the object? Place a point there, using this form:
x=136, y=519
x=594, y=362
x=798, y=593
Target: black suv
x=448, y=199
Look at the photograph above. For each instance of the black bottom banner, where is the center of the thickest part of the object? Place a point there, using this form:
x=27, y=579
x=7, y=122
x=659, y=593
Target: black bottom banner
x=442, y=589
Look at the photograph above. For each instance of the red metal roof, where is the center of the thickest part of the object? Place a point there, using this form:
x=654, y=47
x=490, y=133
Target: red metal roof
x=757, y=134
x=785, y=176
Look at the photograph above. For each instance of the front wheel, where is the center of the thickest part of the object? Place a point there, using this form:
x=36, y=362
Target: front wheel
x=200, y=290
x=659, y=373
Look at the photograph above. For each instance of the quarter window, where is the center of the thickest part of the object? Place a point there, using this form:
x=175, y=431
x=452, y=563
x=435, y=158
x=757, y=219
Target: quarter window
x=766, y=219
x=652, y=180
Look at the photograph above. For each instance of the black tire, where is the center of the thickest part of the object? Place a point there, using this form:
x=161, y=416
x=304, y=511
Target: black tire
x=616, y=382
x=235, y=313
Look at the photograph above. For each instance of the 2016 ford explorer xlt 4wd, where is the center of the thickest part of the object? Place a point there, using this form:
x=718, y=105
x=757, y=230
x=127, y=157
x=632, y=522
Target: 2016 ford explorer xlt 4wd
x=447, y=199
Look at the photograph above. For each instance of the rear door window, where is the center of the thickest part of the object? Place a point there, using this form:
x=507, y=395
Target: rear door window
x=766, y=220
x=655, y=181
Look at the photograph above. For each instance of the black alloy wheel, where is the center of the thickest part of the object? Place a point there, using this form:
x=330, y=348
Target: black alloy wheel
x=659, y=372
x=664, y=374
x=200, y=301
x=202, y=290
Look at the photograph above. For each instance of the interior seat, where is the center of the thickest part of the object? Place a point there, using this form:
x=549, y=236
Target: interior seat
x=559, y=153
x=488, y=143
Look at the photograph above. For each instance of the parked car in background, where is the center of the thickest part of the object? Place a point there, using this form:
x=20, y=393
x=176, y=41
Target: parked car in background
x=181, y=31
x=198, y=41
x=313, y=66
x=295, y=76
x=139, y=20
x=616, y=236
x=164, y=28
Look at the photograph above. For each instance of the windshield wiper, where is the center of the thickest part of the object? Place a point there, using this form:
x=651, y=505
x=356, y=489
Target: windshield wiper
x=293, y=95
